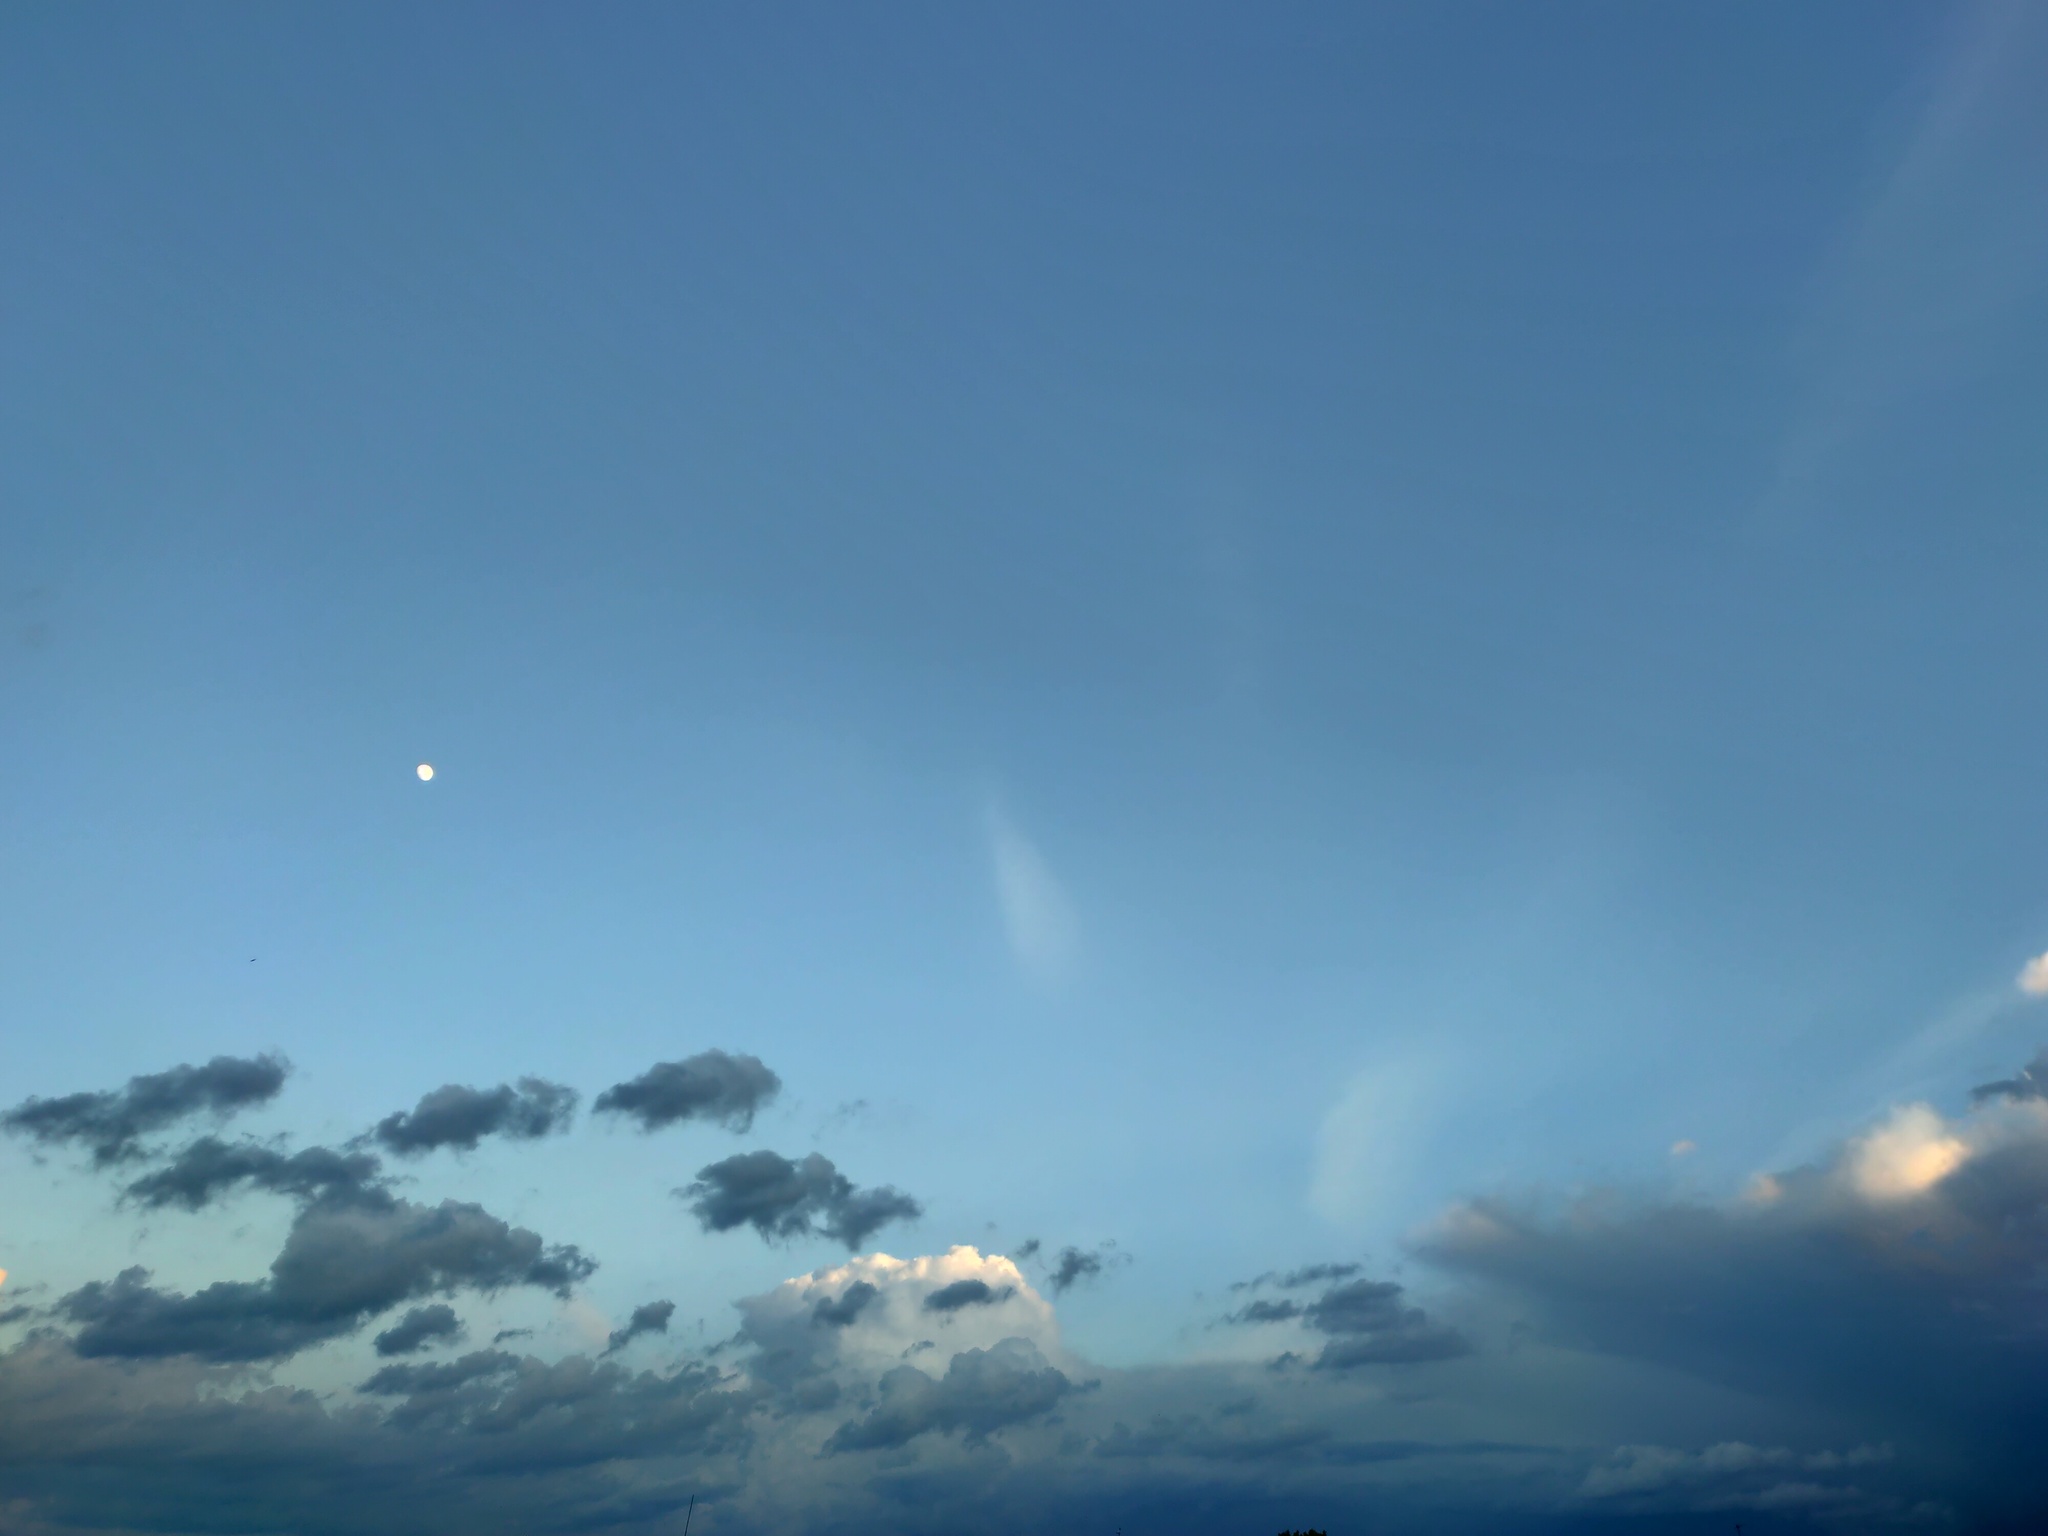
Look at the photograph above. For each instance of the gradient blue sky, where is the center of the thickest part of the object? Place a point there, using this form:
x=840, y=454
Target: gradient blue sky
x=1212, y=627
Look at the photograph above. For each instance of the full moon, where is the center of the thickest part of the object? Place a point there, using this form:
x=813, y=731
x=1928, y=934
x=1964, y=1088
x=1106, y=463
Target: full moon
x=425, y=771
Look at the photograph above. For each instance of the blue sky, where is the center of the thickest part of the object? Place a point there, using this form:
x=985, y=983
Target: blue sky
x=1215, y=632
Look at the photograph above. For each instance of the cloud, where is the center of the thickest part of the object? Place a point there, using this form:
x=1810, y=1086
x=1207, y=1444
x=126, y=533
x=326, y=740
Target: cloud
x=1370, y=1138
x=2033, y=977
x=1369, y=1321
x=1072, y=1267
x=1897, y=1278
x=1907, y=1155
x=1044, y=933
x=340, y=1266
x=967, y=1293
x=711, y=1085
x=1924, y=286
x=2030, y=1082
x=841, y=1310
x=208, y=1168
x=479, y=1445
x=455, y=1116
x=1296, y=1279
x=652, y=1318
x=419, y=1328
x=1890, y=1287
x=846, y=1325
x=1263, y=1311
x=783, y=1199
x=113, y=1124
x=983, y=1390
x=1640, y=1469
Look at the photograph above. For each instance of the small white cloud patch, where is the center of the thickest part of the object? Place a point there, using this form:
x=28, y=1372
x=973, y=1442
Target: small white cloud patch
x=2033, y=978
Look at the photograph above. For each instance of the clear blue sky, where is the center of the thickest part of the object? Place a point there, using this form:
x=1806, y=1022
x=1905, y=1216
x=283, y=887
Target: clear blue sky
x=1214, y=629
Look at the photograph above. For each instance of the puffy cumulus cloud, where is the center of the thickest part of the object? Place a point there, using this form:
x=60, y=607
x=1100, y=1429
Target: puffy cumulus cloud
x=783, y=1199
x=340, y=1266
x=419, y=1328
x=983, y=1390
x=459, y=1117
x=652, y=1318
x=853, y=1321
x=713, y=1085
x=113, y=1124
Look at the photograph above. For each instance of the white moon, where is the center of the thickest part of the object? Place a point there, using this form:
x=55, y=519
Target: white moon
x=425, y=771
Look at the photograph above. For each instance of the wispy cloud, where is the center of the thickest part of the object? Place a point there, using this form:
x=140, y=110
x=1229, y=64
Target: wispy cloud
x=1370, y=1139
x=1044, y=933
x=1953, y=236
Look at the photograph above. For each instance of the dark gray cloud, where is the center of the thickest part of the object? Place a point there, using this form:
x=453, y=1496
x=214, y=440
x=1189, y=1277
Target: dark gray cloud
x=112, y=1124
x=461, y=1449
x=967, y=1293
x=983, y=1390
x=712, y=1085
x=340, y=1266
x=419, y=1328
x=652, y=1318
x=440, y=1378
x=1028, y=1249
x=2030, y=1082
x=1896, y=1281
x=1263, y=1311
x=208, y=1168
x=1371, y=1323
x=1072, y=1267
x=1297, y=1279
x=783, y=1199
x=1238, y=1434
x=840, y=1310
x=1359, y=1306
x=459, y=1117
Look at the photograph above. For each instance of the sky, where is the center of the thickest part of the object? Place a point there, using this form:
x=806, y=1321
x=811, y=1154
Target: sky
x=1195, y=768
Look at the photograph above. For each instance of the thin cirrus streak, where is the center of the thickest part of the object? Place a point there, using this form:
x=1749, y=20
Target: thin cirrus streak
x=1038, y=916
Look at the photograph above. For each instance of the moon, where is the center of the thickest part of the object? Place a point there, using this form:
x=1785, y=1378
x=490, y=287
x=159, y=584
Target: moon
x=425, y=771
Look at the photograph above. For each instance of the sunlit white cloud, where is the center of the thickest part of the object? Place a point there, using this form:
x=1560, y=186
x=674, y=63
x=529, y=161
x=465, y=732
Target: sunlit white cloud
x=1038, y=917
x=1909, y=1154
x=897, y=1323
x=2033, y=978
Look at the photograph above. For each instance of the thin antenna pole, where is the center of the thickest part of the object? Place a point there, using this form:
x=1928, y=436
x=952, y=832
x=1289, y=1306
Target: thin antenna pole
x=686, y=1518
